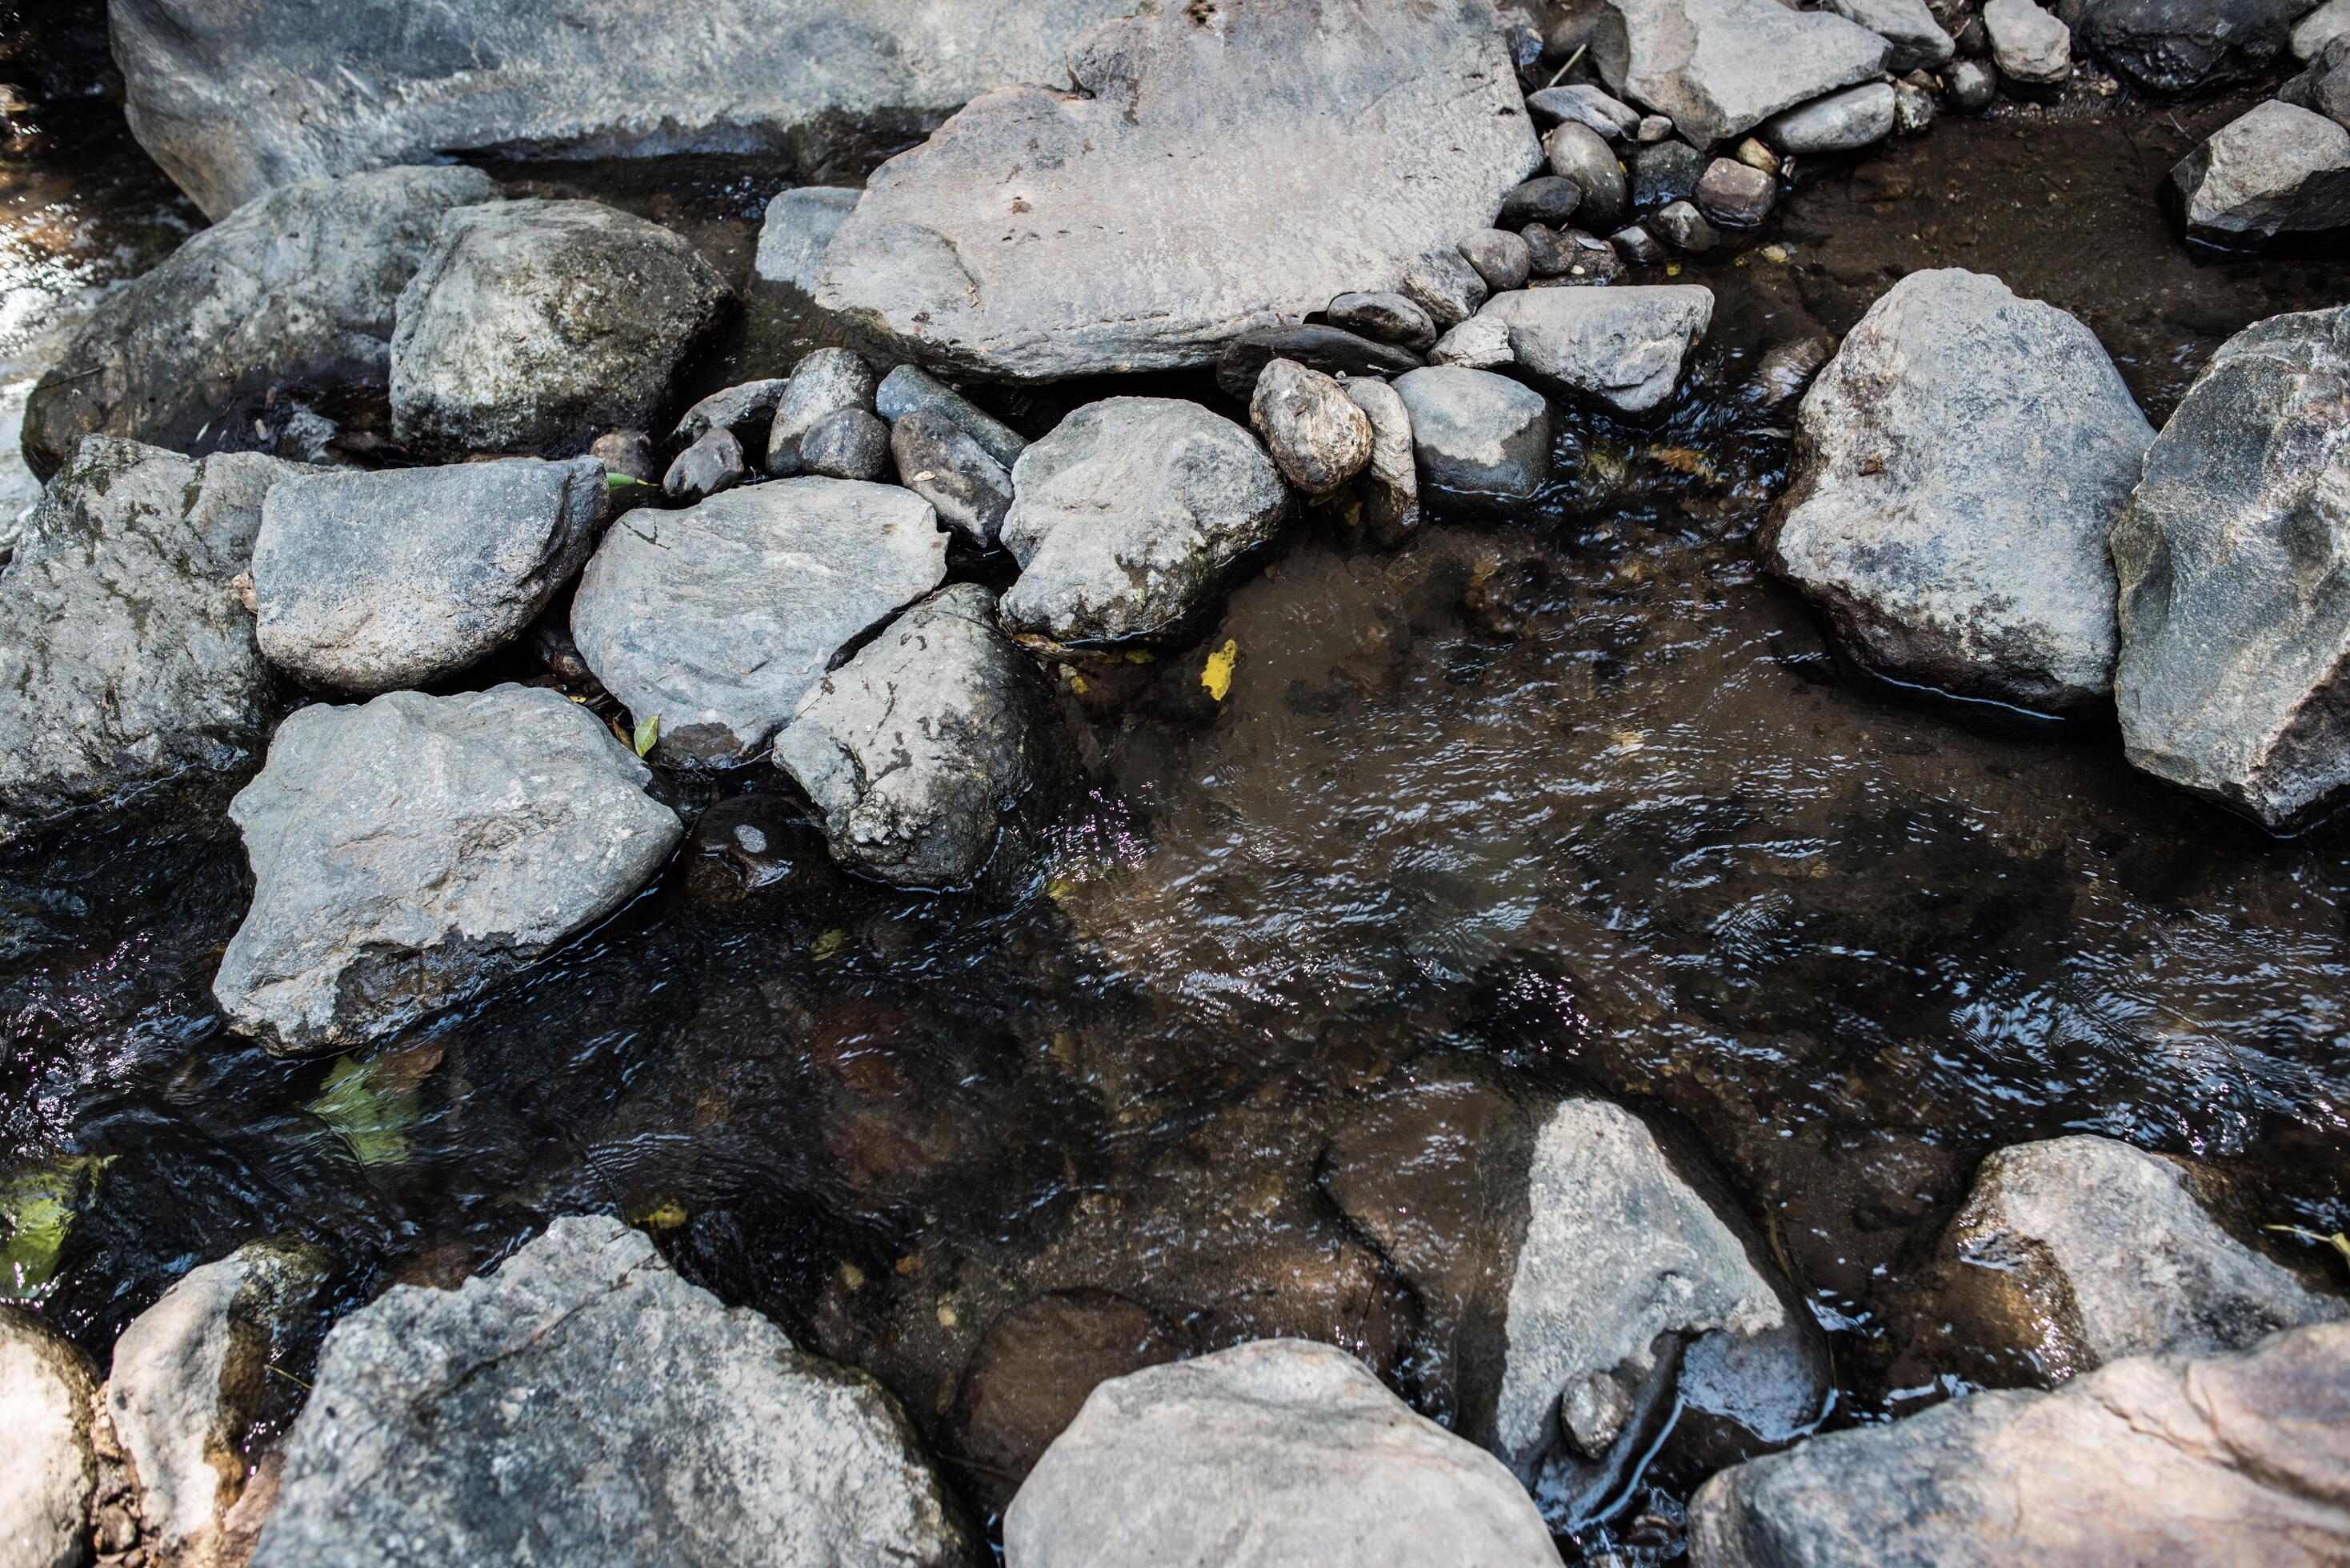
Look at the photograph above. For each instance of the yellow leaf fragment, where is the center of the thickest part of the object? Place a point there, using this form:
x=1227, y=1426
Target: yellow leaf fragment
x=1216, y=675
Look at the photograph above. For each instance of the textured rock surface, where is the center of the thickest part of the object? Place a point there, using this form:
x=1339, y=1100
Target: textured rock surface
x=1735, y=194
x=1127, y=517
x=535, y=326
x=2157, y=1461
x=371, y=582
x=2174, y=47
x=126, y=661
x=1272, y=1453
x=1581, y=156
x=1623, y=346
x=713, y=464
x=847, y=443
x=583, y=1405
x=745, y=411
x=1480, y=343
x=1039, y=235
x=1318, y=438
x=797, y=231
x=1957, y=465
x=1836, y=123
x=2324, y=88
x=908, y=389
x=2233, y=632
x=2320, y=27
x=408, y=853
x=1389, y=317
x=1476, y=433
x=2277, y=169
x=298, y=287
x=1332, y=350
x=1389, y=483
x=822, y=384
x=47, y=1474
x=938, y=461
x=1917, y=40
x=2027, y=43
x=1720, y=67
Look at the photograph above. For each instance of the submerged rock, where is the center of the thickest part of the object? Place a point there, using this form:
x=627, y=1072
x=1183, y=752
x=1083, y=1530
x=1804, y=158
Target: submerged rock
x=938, y=461
x=1476, y=433
x=797, y=231
x=2027, y=43
x=1623, y=346
x=2173, y=47
x=584, y=1404
x=1389, y=483
x=409, y=853
x=1318, y=438
x=48, y=1472
x=1381, y=133
x=1957, y=465
x=1720, y=67
x=2274, y=170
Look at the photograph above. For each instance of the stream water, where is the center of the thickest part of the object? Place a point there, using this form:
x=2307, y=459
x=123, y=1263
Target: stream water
x=1572, y=798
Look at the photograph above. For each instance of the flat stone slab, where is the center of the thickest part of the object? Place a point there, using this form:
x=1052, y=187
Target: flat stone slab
x=1716, y=67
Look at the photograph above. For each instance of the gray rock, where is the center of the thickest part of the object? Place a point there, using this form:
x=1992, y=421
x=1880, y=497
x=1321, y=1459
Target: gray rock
x=1720, y=67
x=2173, y=47
x=583, y=1405
x=533, y=325
x=847, y=443
x=2274, y=170
x=2318, y=29
x=938, y=461
x=1637, y=246
x=1586, y=105
x=1476, y=433
x=189, y=1379
x=1684, y=227
x=1480, y=343
x=1917, y=41
x=127, y=659
x=1590, y=262
x=1545, y=199
x=797, y=231
x=822, y=384
x=1128, y=517
x=1389, y=483
x=746, y=412
x=2027, y=43
x=1499, y=256
x=48, y=1472
x=1622, y=345
x=1653, y=128
x=909, y=388
x=1388, y=317
x=1735, y=194
x=1135, y=209
x=1318, y=438
x=1913, y=109
x=409, y=853
x=298, y=288
x=1579, y=155
x=1447, y=288
x=2324, y=88
x=930, y=748
x=629, y=453
x=2153, y=1460
x=713, y=464
x=1548, y=251
x=1329, y=349
x=1272, y=1453
x=1921, y=519
x=718, y=617
x=1973, y=85
x=1840, y=123
x=371, y=582
x=1666, y=172
x=2234, y=637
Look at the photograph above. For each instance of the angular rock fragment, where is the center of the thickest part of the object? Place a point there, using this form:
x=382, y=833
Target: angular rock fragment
x=1916, y=41
x=2274, y=170
x=1480, y=343
x=1720, y=67
x=744, y=412
x=2027, y=43
x=1735, y=194
x=713, y=464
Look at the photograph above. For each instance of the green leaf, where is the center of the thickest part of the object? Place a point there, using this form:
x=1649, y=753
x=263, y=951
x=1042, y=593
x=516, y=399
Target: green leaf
x=648, y=733
x=37, y=1212
x=621, y=481
x=2338, y=1240
x=373, y=1123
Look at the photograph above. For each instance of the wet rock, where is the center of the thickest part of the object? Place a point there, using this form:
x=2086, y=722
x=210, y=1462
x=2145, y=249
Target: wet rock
x=847, y=443
x=1913, y=109
x=1318, y=438
x=1548, y=251
x=1637, y=246
x=1590, y=261
x=2232, y=636
x=1546, y=198
x=1586, y=105
x=1840, y=123
x=629, y=453
x=1973, y=86
x=1389, y=483
x=718, y=617
x=1664, y=172
x=1720, y=67
x=127, y=659
x=1127, y=517
x=1731, y=193
x=1499, y=256
x=2027, y=43
x=1622, y=345
x=1684, y=227
x=2275, y=170
x=532, y=325
x=822, y=384
x=743, y=411
x=713, y=464
x=1476, y=433
x=653, y=1425
x=372, y=582
x=1445, y=287
x=300, y=287
x=1137, y=205
x=2324, y=88
x=1480, y=343
x=909, y=388
x=2319, y=29
x=1329, y=349
x=48, y=1473
x=2152, y=1459
x=1786, y=368
x=1915, y=40
x=1579, y=155
x=796, y=231
x=1916, y=520
x=1279, y=1451
x=2174, y=47
x=938, y=461
x=409, y=853
x=929, y=748
x=1388, y=317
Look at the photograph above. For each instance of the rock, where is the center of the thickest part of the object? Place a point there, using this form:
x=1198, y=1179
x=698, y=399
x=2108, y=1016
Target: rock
x=1685, y=228
x=298, y=288
x=1389, y=483
x=1915, y=40
x=648, y=1422
x=1590, y=261
x=1839, y=122
x=1913, y=109
x=1653, y=128
x=2324, y=88
x=1388, y=317
x=930, y=747
x=532, y=325
x=1666, y=172
x=1545, y=199
x=372, y=582
x=1499, y=256
x=2174, y=47
x=1329, y=349
x=1720, y=67
x=1919, y=520
x=1622, y=345
x=48, y=1473
x=1548, y=251
x=127, y=660
x=629, y=453
x=1318, y=438
x=938, y=461
x=1579, y=155
x=1275, y=1452
x=2274, y=170
x=1445, y=287
x=1755, y=154
x=2232, y=636
x=2027, y=43
x=1586, y=105
x=1480, y=343
x=190, y=1378
x=743, y=411
x=1136, y=208
x=409, y=853
x=1732, y=192
x=2320, y=27
x=823, y=383
x=719, y=618
x=1637, y=246
x=1127, y=517
x=847, y=443
x=1973, y=85
x=909, y=388
x=797, y=231
x=713, y=464
x=1476, y=433
x=1786, y=368
x=2170, y=1459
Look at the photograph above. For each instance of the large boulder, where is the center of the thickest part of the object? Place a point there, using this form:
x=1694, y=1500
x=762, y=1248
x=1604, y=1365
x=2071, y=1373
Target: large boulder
x=1127, y=517
x=2234, y=630
x=583, y=1405
x=1720, y=67
x=2277, y=169
x=47, y=1471
x=409, y=853
x=930, y=747
x=716, y=620
x=2163, y=1460
x=1044, y=234
x=371, y=582
x=1957, y=467
x=1277, y=1452
x=234, y=96
x=534, y=326
x=127, y=662
x=1623, y=346
x=298, y=287
x=2174, y=47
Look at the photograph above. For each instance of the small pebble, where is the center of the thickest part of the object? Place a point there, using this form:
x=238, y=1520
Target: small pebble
x=1578, y=154
x=1973, y=86
x=1593, y=261
x=1667, y=172
x=824, y=383
x=1731, y=193
x=710, y=464
x=1653, y=128
x=1389, y=317
x=1637, y=246
x=938, y=461
x=1499, y=258
x=847, y=443
x=629, y=453
x=1913, y=109
x=1755, y=155
x=1683, y=227
x=1548, y=253
x=1545, y=199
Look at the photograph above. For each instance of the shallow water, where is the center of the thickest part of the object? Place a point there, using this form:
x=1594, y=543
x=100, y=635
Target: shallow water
x=1572, y=798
